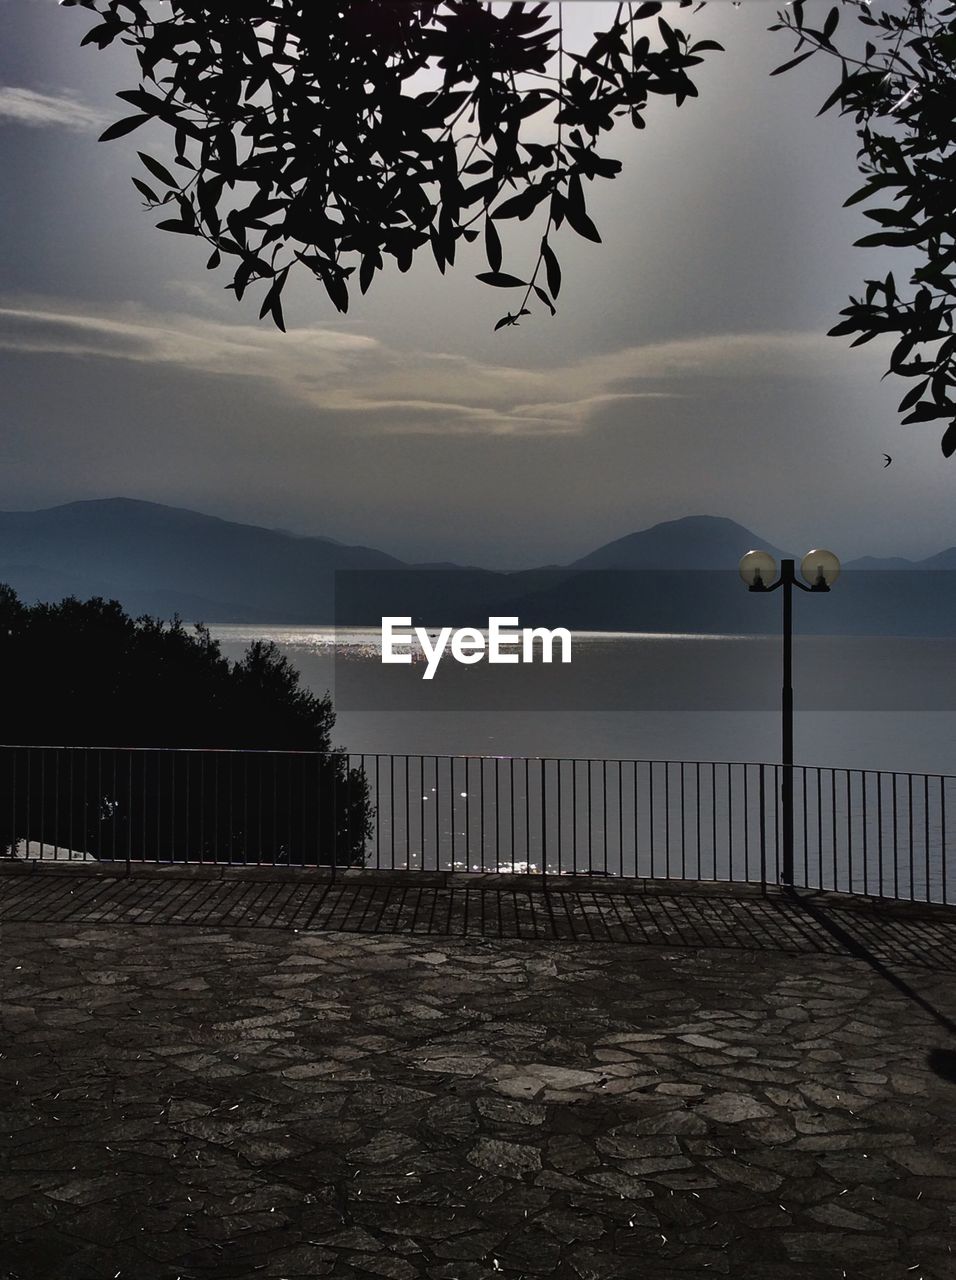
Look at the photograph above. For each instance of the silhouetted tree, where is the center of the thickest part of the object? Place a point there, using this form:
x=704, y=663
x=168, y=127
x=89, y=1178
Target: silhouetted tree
x=91, y=703
x=307, y=139
x=900, y=88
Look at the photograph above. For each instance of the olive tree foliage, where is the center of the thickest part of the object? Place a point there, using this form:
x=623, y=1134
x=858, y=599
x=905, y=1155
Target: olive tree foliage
x=327, y=137
x=899, y=85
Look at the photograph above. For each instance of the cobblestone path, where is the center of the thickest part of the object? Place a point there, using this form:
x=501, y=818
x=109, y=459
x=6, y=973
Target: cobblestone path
x=186, y=1100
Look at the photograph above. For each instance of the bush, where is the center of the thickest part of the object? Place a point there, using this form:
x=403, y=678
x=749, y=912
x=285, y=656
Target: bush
x=97, y=708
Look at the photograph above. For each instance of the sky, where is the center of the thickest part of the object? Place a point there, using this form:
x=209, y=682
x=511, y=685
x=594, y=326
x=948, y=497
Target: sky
x=687, y=371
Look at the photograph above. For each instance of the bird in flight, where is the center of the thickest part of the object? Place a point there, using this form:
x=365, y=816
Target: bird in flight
x=888, y=460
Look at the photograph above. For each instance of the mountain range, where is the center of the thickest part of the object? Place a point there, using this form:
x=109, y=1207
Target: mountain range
x=166, y=560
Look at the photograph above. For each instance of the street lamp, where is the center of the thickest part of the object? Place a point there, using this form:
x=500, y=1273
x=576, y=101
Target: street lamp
x=820, y=569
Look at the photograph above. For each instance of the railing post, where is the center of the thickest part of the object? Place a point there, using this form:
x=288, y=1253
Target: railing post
x=763, y=829
x=129, y=811
x=544, y=827
x=335, y=812
x=942, y=835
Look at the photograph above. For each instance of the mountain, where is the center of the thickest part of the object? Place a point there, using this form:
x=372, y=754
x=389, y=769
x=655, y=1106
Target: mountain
x=693, y=542
x=158, y=559
x=894, y=563
x=677, y=576
x=943, y=560
x=625, y=588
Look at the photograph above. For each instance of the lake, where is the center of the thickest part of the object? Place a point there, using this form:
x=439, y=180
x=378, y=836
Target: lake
x=861, y=703
x=601, y=797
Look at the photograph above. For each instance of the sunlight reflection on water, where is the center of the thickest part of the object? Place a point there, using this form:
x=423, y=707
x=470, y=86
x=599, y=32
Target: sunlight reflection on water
x=917, y=740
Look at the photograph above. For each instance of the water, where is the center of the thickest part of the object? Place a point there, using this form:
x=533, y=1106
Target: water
x=693, y=698
x=605, y=767
x=586, y=804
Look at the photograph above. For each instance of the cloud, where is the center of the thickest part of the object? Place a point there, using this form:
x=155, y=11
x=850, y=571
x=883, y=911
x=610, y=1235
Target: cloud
x=387, y=391
x=28, y=107
x=132, y=333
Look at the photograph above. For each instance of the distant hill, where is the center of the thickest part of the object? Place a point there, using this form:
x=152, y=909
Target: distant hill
x=896, y=563
x=714, y=542
x=676, y=576
x=943, y=560
x=693, y=542
x=158, y=559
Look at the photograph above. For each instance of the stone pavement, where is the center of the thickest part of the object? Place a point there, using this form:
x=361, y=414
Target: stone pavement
x=277, y=1077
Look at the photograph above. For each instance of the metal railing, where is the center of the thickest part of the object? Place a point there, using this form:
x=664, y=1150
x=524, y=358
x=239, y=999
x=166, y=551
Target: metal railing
x=855, y=831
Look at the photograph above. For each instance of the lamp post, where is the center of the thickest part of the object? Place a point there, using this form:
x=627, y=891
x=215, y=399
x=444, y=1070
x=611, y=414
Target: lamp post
x=820, y=569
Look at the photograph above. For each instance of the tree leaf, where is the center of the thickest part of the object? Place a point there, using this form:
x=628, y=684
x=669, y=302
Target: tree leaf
x=913, y=395
x=272, y=302
x=492, y=245
x=523, y=204
x=582, y=224
x=122, y=127
x=927, y=411
x=545, y=299
x=146, y=192
x=794, y=62
x=501, y=280
x=576, y=195
x=157, y=170
x=177, y=225
x=366, y=272
x=552, y=267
